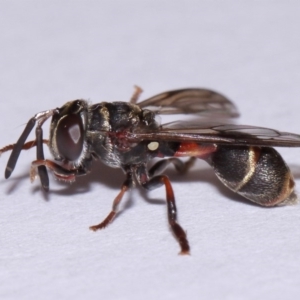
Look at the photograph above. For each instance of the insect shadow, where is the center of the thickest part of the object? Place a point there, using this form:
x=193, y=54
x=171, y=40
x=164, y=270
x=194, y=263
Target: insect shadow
x=107, y=176
x=113, y=179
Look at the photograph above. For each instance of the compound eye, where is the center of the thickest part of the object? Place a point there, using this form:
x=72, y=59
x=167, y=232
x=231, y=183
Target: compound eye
x=69, y=137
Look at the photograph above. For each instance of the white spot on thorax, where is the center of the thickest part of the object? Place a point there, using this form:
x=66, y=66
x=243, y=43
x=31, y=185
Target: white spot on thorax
x=153, y=146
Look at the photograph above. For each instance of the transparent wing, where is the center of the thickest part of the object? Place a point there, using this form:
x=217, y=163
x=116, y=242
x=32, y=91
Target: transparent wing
x=191, y=101
x=230, y=134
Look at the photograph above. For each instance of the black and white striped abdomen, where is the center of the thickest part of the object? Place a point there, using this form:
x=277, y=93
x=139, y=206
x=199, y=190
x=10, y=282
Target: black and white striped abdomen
x=257, y=173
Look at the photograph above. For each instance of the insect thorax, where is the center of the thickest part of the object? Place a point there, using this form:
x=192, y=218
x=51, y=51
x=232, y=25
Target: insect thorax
x=108, y=127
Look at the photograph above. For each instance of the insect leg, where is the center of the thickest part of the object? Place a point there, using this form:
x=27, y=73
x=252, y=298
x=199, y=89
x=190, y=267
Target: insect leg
x=179, y=165
x=136, y=94
x=155, y=182
x=59, y=171
x=125, y=187
x=26, y=146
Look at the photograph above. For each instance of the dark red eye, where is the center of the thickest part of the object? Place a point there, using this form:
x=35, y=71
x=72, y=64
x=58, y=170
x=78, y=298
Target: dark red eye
x=69, y=137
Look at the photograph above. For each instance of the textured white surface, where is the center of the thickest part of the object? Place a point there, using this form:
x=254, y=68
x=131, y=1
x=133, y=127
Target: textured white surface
x=52, y=52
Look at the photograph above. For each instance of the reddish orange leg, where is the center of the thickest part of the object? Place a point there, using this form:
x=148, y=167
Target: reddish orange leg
x=114, y=210
x=26, y=146
x=172, y=212
x=157, y=181
x=59, y=171
x=136, y=94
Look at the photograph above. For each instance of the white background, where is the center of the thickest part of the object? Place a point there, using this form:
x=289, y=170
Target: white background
x=52, y=52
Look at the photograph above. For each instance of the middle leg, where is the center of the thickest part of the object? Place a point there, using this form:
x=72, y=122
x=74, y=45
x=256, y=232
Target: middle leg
x=155, y=182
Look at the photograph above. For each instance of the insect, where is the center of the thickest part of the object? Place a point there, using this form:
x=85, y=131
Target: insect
x=127, y=135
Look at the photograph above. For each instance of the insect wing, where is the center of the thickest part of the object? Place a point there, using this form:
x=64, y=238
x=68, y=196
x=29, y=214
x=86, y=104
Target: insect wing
x=191, y=101
x=228, y=134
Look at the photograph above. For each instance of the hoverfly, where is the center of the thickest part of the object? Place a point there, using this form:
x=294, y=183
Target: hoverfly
x=126, y=135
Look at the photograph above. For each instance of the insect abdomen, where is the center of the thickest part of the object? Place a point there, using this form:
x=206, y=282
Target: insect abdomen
x=257, y=173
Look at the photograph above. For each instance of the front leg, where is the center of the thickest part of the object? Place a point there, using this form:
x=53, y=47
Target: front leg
x=125, y=187
x=60, y=172
x=155, y=182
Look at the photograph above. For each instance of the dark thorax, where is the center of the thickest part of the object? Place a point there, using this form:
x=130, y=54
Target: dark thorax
x=108, y=127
